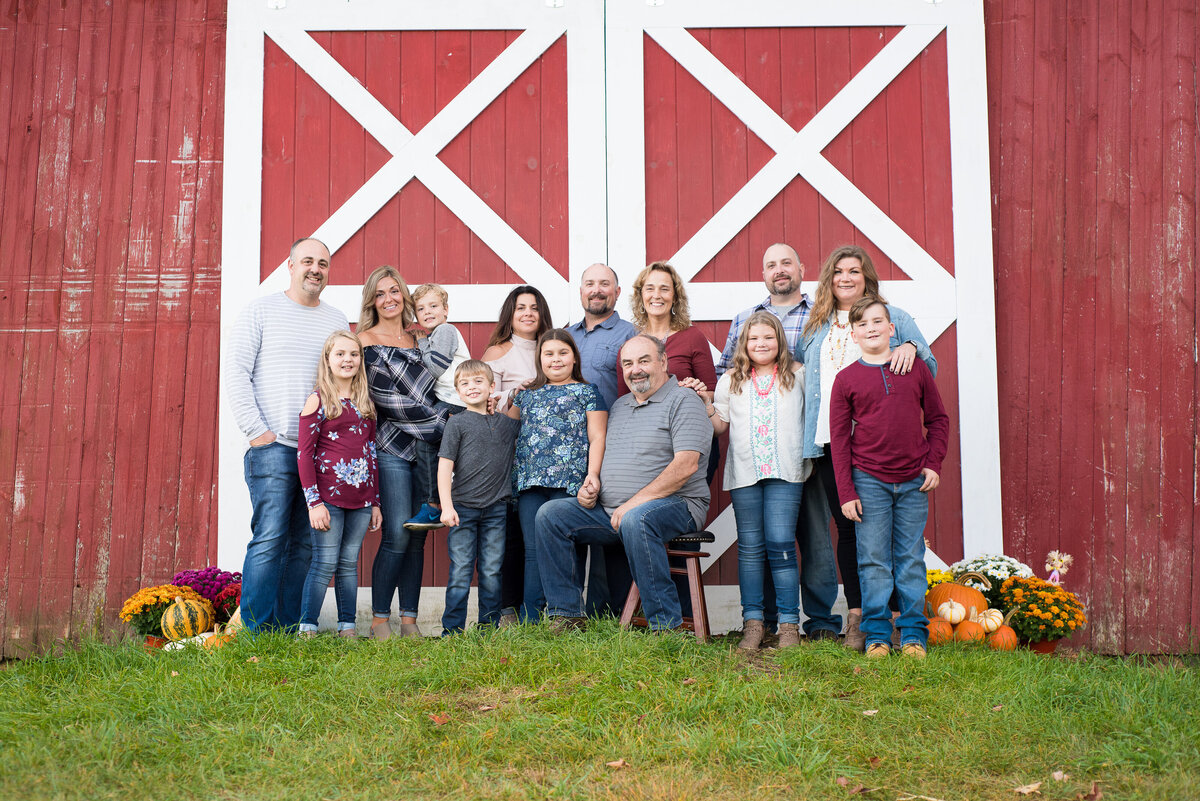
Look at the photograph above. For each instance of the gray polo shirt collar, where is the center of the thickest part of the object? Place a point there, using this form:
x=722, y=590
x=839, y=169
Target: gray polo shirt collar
x=659, y=395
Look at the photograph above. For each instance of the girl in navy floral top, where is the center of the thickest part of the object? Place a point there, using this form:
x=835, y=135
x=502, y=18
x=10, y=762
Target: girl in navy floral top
x=559, y=448
x=340, y=475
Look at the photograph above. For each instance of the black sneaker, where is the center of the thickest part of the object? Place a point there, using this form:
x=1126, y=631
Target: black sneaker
x=822, y=634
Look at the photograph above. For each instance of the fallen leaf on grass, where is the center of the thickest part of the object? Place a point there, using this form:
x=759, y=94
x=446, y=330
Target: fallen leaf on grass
x=997, y=707
x=641, y=685
x=174, y=672
x=504, y=660
x=252, y=659
x=874, y=762
x=843, y=781
x=1028, y=789
x=439, y=720
x=1059, y=776
x=282, y=681
x=689, y=681
x=618, y=764
x=487, y=708
x=869, y=712
x=908, y=688
x=1094, y=795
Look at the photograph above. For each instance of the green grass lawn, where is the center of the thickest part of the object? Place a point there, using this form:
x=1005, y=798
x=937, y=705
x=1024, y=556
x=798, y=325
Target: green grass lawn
x=521, y=714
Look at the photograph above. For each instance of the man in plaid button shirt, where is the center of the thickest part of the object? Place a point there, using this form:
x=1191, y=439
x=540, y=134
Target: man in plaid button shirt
x=782, y=272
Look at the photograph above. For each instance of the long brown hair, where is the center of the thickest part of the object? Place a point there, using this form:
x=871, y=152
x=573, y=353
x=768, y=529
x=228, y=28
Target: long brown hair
x=504, y=330
x=368, y=316
x=327, y=386
x=825, y=306
x=555, y=335
x=743, y=368
x=681, y=313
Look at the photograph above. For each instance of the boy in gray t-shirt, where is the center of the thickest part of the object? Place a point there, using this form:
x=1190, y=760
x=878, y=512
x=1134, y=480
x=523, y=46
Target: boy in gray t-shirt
x=474, y=484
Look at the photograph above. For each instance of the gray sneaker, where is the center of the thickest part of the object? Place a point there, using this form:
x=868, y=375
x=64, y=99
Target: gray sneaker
x=506, y=620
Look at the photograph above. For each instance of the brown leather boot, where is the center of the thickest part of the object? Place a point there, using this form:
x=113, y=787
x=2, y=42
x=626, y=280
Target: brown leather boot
x=752, y=635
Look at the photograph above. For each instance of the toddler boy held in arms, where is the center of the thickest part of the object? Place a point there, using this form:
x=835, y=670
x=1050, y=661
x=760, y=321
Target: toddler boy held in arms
x=885, y=466
x=474, y=482
x=441, y=352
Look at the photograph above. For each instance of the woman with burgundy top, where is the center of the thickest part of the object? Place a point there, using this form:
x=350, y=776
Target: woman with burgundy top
x=660, y=309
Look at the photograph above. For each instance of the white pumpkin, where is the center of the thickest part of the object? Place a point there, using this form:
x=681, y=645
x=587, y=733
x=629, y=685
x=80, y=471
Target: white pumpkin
x=990, y=619
x=952, y=611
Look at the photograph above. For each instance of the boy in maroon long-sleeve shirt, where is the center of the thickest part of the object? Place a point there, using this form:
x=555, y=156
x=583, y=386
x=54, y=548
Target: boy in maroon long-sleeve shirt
x=885, y=466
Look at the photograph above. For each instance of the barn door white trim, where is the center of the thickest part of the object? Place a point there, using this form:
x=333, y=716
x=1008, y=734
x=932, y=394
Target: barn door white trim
x=934, y=297
x=413, y=155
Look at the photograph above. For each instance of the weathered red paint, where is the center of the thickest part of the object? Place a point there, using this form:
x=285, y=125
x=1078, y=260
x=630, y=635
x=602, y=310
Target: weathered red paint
x=110, y=166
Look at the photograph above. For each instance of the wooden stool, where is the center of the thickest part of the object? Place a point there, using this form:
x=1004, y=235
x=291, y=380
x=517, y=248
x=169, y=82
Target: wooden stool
x=698, y=622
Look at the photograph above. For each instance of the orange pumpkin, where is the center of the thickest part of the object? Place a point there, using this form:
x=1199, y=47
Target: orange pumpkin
x=968, y=631
x=940, y=631
x=957, y=591
x=1003, y=638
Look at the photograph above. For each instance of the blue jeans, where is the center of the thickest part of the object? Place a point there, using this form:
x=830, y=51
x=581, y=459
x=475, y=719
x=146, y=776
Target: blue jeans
x=818, y=570
x=766, y=524
x=427, y=461
x=478, y=537
x=400, y=560
x=891, y=554
x=278, y=553
x=335, y=549
x=529, y=502
x=645, y=530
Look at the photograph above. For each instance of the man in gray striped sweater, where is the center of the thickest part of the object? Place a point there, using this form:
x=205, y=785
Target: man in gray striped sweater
x=271, y=361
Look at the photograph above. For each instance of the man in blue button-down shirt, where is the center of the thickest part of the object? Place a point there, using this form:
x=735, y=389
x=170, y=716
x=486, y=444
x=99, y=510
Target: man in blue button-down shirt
x=601, y=333
x=599, y=337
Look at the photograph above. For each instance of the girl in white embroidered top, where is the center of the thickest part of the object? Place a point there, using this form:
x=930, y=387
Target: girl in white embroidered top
x=760, y=401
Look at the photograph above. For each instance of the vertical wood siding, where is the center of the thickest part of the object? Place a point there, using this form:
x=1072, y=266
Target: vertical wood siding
x=110, y=163
x=110, y=170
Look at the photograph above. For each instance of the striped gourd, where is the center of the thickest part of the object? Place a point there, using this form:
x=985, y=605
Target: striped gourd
x=186, y=618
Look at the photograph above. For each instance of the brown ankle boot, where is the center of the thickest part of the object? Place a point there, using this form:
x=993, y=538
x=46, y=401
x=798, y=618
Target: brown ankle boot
x=855, y=639
x=789, y=635
x=752, y=635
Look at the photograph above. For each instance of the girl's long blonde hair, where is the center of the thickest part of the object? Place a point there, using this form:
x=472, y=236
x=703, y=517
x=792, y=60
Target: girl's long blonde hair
x=327, y=391
x=368, y=316
x=743, y=368
x=824, y=307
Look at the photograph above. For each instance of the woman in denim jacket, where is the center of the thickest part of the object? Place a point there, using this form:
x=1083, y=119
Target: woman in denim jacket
x=824, y=348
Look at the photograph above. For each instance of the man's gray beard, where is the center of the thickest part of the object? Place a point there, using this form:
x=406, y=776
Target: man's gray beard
x=641, y=386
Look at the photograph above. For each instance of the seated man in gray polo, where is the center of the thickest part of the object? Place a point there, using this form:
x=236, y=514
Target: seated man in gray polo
x=652, y=489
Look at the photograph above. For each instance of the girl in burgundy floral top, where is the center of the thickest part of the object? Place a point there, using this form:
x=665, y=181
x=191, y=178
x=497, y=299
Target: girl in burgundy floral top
x=339, y=473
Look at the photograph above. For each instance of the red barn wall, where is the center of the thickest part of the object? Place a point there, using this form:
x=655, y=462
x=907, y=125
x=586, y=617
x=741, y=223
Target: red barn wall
x=110, y=164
